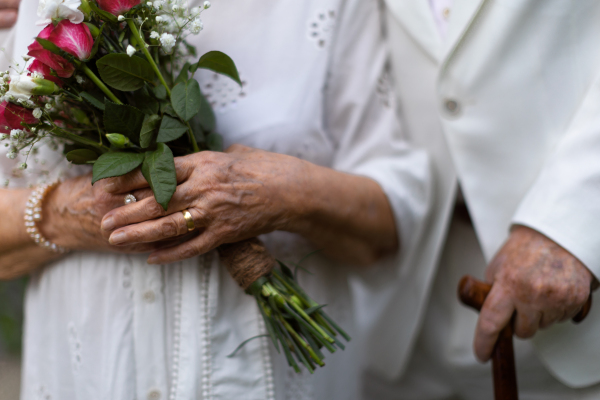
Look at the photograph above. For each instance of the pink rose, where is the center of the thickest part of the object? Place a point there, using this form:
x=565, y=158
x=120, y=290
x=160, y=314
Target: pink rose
x=41, y=68
x=118, y=7
x=11, y=116
x=62, y=67
x=74, y=39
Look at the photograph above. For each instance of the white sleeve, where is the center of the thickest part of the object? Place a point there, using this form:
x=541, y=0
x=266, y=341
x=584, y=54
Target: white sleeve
x=368, y=141
x=360, y=116
x=564, y=201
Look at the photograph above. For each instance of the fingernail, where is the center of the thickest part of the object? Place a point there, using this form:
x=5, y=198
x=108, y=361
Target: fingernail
x=110, y=187
x=152, y=260
x=117, y=238
x=108, y=224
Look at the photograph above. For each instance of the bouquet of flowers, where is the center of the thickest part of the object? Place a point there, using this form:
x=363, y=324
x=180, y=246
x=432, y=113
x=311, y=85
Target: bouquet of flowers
x=105, y=82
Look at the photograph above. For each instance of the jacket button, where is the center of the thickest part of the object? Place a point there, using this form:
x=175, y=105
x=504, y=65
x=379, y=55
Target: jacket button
x=154, y=394
x=452, y=106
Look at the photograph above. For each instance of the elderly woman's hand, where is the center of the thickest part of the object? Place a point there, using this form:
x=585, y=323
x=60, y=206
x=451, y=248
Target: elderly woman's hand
x=73, y=211
x=231, y=196
x=246, y=192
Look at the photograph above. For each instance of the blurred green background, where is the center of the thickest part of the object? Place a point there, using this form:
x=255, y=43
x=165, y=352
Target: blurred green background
x=11, y=315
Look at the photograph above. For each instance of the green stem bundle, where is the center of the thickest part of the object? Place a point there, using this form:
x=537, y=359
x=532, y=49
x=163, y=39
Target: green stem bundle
x=294, y=321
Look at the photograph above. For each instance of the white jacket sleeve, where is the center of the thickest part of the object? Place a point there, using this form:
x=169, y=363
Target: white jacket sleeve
x=564, y=201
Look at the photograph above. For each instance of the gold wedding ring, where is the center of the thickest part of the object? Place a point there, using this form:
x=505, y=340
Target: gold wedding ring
x=188, y=220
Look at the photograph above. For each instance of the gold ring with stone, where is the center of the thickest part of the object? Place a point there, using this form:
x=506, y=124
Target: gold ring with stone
x=188, y=220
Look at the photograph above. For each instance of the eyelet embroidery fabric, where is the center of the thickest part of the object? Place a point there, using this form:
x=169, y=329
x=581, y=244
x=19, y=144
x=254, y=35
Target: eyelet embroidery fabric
x=321, y=28
x=75, y=348
x=222, y=93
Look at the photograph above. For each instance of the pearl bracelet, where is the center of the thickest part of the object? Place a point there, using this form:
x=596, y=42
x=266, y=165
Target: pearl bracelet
x=33, y=214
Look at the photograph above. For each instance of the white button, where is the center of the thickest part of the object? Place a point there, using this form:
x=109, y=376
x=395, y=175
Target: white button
x=149, y=296
x=452, y=106
x=154, y=394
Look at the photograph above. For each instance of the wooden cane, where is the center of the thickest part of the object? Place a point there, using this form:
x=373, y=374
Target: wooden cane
x=473, y=293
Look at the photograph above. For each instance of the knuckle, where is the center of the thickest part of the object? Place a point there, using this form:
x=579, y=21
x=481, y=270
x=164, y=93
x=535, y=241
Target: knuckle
x=169, y=228
x=153, y=209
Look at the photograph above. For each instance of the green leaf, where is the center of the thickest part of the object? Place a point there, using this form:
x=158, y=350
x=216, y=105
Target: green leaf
x=148, y=131
x=220, y=63
x=160, y=92
x=159, y=170
x=167, y=108
x=145, y=102
x=92, y=100
x=103, y=14
x=81, y=156
x=206, y=116
x=124, y=119
x=214, y=141
x=123, y=72
x=186, y=99
x=170, y=129
x=183, y=74
x=109, y=165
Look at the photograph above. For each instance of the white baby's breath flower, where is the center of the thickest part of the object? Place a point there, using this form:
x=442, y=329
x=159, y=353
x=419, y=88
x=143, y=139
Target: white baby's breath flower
x=130, y=50
x=175, y=7
x=167, y=41
x=37, y=113
x=23, y=166
x=48, y=106
x=121, y=18
x=196, y=26
x=154, y=35
x=59, y=9
x=26, y=57
x=149, y=4
x=3, y=136
x=159, y=19
x=11, y=155
x=15, y=133
x=207, y=4
x=80, y=79
x=37, y=75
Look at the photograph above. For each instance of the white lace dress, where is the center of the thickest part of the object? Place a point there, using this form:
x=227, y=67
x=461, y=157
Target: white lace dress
x=109, y=326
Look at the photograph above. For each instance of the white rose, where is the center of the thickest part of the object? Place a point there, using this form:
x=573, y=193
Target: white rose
x=20, y=87
x=65, y=9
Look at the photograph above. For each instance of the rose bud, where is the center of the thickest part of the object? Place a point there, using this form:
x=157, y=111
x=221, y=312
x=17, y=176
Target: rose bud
x=59, y=9
x=117, y=7
x=38, y=67
x=118, y=140
x=25, y=86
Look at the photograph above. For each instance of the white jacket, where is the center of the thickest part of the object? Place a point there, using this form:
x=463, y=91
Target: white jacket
x=509, y=105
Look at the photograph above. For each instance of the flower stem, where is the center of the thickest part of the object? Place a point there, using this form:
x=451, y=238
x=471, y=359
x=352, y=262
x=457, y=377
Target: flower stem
x=139, y=39
x=190, y=133
x=78, y=139
x=99, y=83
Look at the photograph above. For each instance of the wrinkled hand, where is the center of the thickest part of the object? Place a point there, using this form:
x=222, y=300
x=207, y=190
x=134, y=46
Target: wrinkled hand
x=538, y=279
x=74, y=210
x=231, y=196
x=9, y=10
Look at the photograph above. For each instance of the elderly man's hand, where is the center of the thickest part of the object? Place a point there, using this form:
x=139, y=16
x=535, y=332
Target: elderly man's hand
x=538, y=279
x=9, y=9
